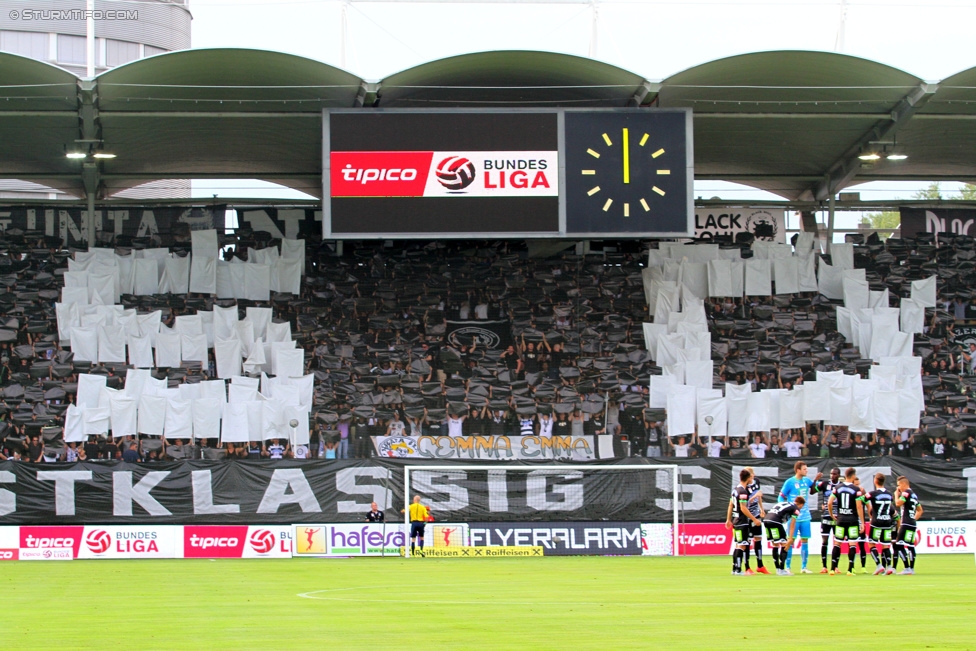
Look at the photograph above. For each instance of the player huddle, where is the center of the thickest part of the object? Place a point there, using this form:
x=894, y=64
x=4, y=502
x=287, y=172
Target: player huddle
x=859, y=520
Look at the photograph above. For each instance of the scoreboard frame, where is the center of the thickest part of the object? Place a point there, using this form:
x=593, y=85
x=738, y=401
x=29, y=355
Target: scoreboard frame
x=682, y=117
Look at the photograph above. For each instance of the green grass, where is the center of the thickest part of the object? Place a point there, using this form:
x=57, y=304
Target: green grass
x=506, y=603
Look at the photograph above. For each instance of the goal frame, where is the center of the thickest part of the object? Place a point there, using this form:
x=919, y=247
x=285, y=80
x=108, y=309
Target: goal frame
x=675, y=485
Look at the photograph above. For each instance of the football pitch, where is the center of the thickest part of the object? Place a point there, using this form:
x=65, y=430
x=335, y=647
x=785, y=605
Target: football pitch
x=499, y=603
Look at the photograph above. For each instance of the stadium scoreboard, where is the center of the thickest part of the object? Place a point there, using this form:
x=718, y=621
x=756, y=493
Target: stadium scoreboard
x=496, y=173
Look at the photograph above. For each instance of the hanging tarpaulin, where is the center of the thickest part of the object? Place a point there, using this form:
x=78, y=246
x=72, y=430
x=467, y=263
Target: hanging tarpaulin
x=766, y=225
x=69, y=223
x=287, y=492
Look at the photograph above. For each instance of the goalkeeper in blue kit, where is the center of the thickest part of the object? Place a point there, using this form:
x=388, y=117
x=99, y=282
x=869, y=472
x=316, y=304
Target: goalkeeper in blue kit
x=799, y=485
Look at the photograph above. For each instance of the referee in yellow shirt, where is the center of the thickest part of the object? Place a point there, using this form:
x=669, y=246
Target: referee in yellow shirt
x=418, y=519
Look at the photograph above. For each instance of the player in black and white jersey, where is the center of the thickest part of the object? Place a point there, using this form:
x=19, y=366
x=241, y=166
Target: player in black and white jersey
x=849, y=502
x=906, y=500
x=740, y=520
x=881, y=509
x=776, y=530
x=827, y=518
x=757, y=509
x=862, y=541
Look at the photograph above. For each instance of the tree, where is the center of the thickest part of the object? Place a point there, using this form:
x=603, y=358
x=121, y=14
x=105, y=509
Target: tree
x=933, y=192
x=886, y=219
x=968, y=192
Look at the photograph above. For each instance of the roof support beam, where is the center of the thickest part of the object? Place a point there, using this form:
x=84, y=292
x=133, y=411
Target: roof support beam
x=843, y=171
x=210, y=114
x=367, y=95
x=209, y=175
x=646, y=93
x=88, y=124
x=705, y=115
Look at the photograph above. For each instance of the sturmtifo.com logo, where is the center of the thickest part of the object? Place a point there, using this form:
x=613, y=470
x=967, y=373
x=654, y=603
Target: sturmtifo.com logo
x=455, y=173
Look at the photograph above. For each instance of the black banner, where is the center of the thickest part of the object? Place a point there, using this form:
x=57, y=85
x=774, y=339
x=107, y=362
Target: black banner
x=937, y=220
x=70, y=223
x=569, y=539
x=963, y=335
x=947, y=489
x=204, y=492
x=292, y=491
x=490, y=335
x=287, y=223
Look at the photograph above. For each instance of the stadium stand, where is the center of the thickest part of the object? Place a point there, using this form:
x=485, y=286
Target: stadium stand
x=385, y=330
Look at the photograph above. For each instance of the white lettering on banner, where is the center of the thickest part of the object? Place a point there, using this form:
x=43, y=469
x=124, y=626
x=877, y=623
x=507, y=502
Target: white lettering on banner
x=118, y=217
x=147, y=225
x=700, y=495
x=970, y=475
x=58, y=543
x=292, y=218
x=537, y=491
x=68, y=226
x=813, y=499
x=260, y=221
x=124, y=493
x=283, y=480
x=608, y=538
x=202, y=482
x=8, y=499
x=364, y=176
x=64, y=487
x=426, y=483
x=497, y=491
x=207, y=543
x=685, y=539
x=346, y=483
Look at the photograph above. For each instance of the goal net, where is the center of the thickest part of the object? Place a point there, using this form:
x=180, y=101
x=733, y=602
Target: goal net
x=565, y=509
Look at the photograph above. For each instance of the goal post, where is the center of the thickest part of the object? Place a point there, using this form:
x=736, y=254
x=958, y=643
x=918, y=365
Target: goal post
x=666, y=490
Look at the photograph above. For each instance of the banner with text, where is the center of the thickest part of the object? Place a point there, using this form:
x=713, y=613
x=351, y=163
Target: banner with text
x=143, y=541
x=767, y=225
x=960, y=221
x=486, y=448
x=241, y=492
x=70, y=223
x=565, y=539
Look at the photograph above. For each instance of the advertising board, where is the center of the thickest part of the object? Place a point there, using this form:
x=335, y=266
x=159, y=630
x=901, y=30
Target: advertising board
x=527, y=172
x=562, y=538
x=365, y=539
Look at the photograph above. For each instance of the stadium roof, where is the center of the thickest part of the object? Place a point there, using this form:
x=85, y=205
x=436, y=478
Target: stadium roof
x=792, y=123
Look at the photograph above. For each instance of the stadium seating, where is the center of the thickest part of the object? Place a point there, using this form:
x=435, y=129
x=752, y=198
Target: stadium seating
x=381, y=331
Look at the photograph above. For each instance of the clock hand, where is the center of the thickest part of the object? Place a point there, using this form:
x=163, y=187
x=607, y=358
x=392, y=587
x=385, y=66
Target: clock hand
x=626, y=155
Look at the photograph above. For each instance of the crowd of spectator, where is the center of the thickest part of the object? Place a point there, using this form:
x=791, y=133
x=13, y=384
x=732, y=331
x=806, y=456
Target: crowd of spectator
x=376, y=327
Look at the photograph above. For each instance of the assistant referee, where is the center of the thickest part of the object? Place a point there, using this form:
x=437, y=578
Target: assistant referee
x=418, y=518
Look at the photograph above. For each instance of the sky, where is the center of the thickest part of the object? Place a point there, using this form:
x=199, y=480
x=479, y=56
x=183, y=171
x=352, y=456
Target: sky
x=931, y=40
